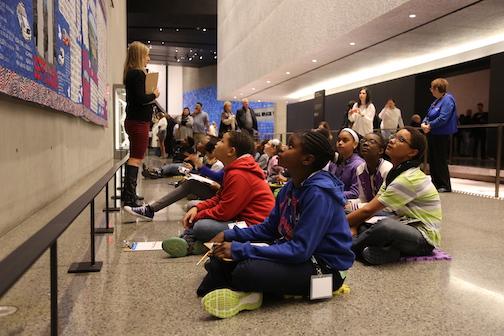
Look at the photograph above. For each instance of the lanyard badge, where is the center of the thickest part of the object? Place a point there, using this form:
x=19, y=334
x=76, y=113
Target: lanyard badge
x=321, y=284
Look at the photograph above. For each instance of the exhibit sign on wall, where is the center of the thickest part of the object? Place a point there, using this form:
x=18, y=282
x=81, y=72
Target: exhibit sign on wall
x=53, y=53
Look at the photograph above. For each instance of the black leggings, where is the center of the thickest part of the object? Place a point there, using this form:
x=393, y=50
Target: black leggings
x=200, y=189
x=263, y=276
x=392, y=234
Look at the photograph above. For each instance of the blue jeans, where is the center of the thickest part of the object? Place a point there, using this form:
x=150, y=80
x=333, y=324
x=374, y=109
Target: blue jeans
x=171, y=169
x=205, y=229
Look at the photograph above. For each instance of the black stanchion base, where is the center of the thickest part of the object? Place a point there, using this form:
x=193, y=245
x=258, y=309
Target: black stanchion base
x=104, y=230
x=111, y=209
x=85, y=267
x=115, y=197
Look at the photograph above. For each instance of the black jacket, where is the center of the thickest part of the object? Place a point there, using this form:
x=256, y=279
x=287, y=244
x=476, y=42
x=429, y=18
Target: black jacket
x=240, y=114
x=136, y=98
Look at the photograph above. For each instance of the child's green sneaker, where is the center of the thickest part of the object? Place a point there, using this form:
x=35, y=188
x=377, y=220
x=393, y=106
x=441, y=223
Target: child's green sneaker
x=224, y=303
x=176, y=247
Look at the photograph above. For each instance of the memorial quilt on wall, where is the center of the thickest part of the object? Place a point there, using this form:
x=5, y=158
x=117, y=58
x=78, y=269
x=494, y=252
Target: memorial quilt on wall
x=53, y=52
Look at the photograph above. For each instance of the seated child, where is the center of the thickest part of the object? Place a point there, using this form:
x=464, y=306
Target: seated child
x=348, y=161
x=372, y=173
x=173, y=169
x=307, y=228
x=273, y=170
x=410, y=194
x=244, y=196
x=213, y=169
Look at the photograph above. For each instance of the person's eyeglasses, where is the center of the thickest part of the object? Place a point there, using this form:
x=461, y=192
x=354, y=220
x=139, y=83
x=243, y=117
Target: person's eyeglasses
x=370, y=141
x=400, y=138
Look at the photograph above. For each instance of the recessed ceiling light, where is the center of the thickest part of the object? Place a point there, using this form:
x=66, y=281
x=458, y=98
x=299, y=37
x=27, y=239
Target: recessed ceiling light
x=190, y=50
x=412, y=16
x=176, y=50
x=177, y=29
x=314, y=60
x=268, y=81
x=201, y=57
x=195, y=54
x=215, y=57
x=162, y=42
x=204, y=29
x=178, y=59
x=160, y=29
x=190, y=58
x=253, y=89
x=352, y=43
x=287, y=73
x=215, y=52
x=197, y=28
x=148, y=41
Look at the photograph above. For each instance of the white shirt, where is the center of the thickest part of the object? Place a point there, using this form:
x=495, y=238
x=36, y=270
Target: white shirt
x=391, y=118
x=162, y=124
x=363, y=120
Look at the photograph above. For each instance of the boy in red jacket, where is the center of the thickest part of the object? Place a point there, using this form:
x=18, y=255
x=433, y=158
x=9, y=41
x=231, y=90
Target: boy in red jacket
x=244, y=196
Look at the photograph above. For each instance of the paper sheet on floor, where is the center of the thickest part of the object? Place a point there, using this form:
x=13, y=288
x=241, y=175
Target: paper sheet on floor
x=144, y=246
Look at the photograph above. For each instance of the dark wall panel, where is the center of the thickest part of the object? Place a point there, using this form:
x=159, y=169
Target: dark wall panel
x=300, y=116
x=401, y=89
x=496, y=104
x=411, y=94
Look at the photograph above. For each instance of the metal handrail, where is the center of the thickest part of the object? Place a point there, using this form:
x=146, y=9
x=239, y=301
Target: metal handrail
x=14, y=265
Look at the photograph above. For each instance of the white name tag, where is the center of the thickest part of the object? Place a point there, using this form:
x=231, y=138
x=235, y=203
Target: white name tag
x=321, y=287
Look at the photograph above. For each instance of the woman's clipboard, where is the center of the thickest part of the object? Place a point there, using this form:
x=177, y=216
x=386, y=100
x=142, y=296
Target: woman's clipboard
x=151, y=81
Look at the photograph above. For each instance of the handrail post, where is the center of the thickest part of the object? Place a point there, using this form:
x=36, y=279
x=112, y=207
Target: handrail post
x=115, y=197
x=92, y=221
x=93, y=266
x=499, y=159
x=107, y=228
x=54, y=288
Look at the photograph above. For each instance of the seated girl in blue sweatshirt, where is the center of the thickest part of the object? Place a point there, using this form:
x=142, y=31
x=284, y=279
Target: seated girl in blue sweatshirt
x=308, y=220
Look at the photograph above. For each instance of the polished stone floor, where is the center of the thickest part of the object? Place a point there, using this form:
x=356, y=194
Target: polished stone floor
x=147, y=293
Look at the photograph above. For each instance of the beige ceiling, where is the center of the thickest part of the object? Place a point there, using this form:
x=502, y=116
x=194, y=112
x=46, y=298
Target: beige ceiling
x=390, y=46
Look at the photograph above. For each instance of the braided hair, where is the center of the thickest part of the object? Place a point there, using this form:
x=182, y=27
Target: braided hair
x=318, y=145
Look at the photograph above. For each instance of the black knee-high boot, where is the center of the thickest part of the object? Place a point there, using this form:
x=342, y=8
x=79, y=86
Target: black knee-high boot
x=128, y=195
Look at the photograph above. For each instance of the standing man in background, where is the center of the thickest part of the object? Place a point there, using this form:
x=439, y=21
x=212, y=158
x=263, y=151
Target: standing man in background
x=479, y=134
x=246, y=119
x=200, y=123
x=439, y=123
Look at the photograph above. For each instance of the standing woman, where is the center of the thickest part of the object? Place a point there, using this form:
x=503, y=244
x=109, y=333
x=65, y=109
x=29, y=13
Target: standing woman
x=228, y=120
x=391, y=118
x=362, y=114
x=162, y=126
x=439, y=123
x=185, y=122
x=138, y=116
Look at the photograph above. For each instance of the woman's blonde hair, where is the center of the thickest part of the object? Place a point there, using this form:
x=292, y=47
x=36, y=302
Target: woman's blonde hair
x=137, y=52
